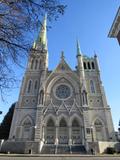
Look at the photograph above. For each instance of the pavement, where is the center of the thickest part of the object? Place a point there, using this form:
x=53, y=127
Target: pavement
x=57, y=157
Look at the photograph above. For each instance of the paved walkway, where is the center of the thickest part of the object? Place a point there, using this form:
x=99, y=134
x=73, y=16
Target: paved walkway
x=57, y=157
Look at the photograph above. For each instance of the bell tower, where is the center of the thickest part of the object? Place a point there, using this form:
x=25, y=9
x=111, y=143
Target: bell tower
x=31, y=93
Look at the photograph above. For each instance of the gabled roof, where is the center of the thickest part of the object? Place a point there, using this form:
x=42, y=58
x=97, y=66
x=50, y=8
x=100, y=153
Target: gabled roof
x=63, y=66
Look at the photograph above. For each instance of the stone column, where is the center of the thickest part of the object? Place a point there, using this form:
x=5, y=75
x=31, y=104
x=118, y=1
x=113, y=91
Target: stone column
x=83, y=135
x=70, y=135
x=56, y=135
x=43, y=133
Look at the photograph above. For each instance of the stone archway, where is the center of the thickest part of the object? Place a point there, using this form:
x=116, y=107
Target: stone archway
x=50, y=132
x=99, y=130
x=63, y=132
x=76, y=132
x=27, y=129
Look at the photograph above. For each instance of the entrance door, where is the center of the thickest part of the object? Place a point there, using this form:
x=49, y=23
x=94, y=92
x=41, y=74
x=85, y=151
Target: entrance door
x=63, y=132
x=50, y=132
x=76, y=132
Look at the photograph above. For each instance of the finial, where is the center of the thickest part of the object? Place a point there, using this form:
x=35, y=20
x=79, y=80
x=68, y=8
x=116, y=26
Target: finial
x=79, y=53
x=62, y=55
x=119, y=123
x=95, y=55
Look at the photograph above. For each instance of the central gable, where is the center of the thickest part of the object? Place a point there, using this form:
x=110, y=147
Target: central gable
x=63, y=66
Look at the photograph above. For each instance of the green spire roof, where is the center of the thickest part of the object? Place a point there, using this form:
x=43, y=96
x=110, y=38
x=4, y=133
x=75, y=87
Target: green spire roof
x=78, y=49
x=42, y=38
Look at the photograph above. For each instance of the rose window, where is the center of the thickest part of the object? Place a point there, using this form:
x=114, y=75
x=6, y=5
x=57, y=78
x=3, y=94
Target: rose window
x=63, y=91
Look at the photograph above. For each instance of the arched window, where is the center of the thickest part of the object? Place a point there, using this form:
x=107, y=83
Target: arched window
x=41, y=97
x=63, y=123
x=63, y=132
x=36, y=64
x=50, y=123
x=89, y=67
x=29, y=86
x=75, y=123
x=93, y=65
x=85, y=67
x=50, y=132
x=36, y=85
x=40, y=64
x=92, y=86
x=32, y=63
x=84, y=97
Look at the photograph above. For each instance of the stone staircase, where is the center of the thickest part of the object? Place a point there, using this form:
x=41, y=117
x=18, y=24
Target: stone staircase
x=63, y=149
x=48, y=149
x=78, y=149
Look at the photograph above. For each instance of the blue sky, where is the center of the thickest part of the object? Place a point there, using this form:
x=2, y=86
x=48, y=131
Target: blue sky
x=90, y=22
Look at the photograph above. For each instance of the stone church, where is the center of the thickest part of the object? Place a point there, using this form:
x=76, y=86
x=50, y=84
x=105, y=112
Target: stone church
x=60, y=111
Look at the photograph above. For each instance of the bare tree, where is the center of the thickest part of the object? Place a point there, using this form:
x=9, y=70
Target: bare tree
x=18, y=18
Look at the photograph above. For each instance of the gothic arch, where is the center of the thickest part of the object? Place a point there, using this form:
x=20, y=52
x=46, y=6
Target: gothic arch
x=50, y=84
x=36, y=85
x=99, y=130
x=63, y=134
x=50, y=116
x=36, y=64
x=50, y=129
x=76, y=117
x=97, y=118
x=92, y=86
x=62, y=123
x=93, y=65
x=26, y=129
x=29, y=85
x=41, y=99
x=76, y=131
x=32, y=64
x=89, y=66
x=27, y=118
x=62, y=116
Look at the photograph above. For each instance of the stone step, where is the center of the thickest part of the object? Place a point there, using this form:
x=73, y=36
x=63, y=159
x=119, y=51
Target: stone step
x=63, y=149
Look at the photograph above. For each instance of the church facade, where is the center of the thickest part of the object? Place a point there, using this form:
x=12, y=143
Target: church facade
x=63, y=110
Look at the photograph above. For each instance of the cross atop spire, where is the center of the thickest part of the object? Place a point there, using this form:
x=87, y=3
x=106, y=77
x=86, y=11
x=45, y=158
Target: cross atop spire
x=79, y=53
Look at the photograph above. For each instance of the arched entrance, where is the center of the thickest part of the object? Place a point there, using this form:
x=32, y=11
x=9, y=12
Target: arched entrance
x=76, y=132
x=50, y=132
x=99, y=130
x=63, y=132
x=27, y=129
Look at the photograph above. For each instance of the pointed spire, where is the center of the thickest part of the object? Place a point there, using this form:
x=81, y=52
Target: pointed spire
x=42, y=38
x=62, y=55
x=95, y=55
x=79, y=53
x=43, y=33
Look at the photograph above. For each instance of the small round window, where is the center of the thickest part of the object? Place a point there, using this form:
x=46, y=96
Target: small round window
x=63, y=91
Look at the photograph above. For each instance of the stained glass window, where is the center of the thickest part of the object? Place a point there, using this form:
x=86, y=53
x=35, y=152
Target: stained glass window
x=63, y=91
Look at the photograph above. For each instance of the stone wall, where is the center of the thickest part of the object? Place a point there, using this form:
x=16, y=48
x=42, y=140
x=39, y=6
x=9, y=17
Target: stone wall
x=103, y=146
x=20, y=147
